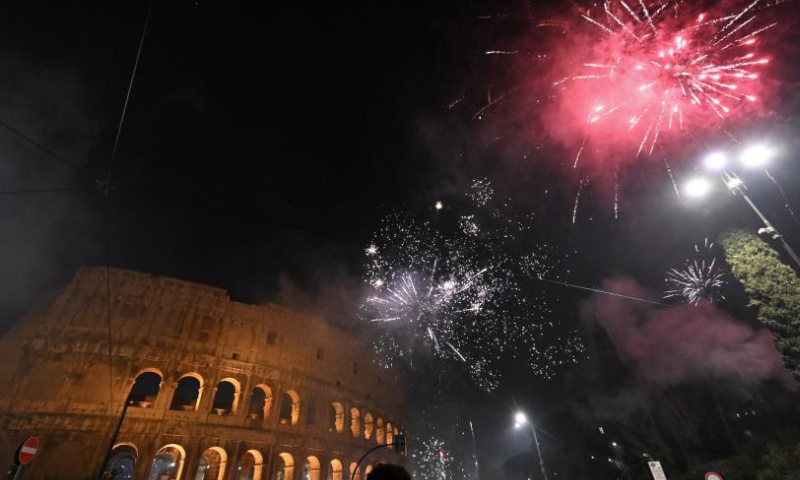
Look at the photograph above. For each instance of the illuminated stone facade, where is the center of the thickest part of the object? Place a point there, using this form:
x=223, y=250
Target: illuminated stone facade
x=217, y=389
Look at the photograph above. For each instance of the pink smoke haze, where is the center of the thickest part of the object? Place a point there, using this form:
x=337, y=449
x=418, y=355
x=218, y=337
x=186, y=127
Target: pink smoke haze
x=682, y=343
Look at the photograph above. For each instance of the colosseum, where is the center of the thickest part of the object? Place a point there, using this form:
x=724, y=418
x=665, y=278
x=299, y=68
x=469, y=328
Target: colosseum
x=215, y=389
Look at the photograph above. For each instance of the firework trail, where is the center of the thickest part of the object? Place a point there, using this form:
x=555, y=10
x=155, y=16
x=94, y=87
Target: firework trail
x=700, y=281
x=783, y=195
x=453, y=290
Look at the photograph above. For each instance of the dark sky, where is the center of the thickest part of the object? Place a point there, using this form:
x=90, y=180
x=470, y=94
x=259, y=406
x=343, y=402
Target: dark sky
x=265, y=141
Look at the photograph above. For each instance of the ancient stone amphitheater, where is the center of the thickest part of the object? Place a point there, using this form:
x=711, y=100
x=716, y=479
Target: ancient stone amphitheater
x=216, y=389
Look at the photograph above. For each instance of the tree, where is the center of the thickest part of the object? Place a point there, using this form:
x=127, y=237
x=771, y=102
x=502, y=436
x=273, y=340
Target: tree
x=772, y=287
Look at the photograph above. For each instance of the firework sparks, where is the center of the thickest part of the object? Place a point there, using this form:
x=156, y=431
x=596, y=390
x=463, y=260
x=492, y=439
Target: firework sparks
x=665, y=69
x=454, y=292
x=434, y=461
x=700, y=281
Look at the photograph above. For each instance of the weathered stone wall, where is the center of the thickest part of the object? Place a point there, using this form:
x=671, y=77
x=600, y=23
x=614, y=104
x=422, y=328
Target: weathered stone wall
x=58, y=381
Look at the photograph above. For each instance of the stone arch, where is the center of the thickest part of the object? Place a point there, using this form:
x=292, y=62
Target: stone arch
x=168, y=462
x=336, y=418
x=355, y=473
x=250, y=465
x=212, y=463
x=226, y=398
x=369, y=427
x=379, y=431
x=355, y=422
x=188, y=392
x=122, y=462
x=284, y=467
x=290, y=407
x=311, y=468
x=389, y=433
x=146, y=387
x=335, y=470
x=260, y=402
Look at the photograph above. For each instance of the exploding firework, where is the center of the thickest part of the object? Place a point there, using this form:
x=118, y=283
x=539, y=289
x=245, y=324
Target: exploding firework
x=700, y=281
x=621, y=81
x=433, y=461
x=661, y=68
x=453, y=289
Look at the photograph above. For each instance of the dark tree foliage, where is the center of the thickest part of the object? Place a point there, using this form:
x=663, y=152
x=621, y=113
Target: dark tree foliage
x=773, y=288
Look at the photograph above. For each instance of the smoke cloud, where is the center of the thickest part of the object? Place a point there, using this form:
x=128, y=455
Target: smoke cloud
x=666, y=346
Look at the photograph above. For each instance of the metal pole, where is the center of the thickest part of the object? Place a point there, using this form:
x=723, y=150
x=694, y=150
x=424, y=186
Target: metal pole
x=18, y=472
x=358, y=464
x=538, y=451
x=772, y=230
x=114, y=436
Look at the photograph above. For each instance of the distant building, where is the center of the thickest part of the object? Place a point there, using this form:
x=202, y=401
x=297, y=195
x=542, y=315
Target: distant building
x=218, y=390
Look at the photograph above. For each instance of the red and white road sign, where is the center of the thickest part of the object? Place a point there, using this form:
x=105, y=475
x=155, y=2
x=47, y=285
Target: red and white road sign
x=713, y=476
x=28, y=450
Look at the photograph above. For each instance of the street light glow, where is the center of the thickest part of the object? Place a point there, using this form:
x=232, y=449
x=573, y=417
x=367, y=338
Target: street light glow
x=520, y=418
x=697, y=187
x=715, y=160
x=755, y=155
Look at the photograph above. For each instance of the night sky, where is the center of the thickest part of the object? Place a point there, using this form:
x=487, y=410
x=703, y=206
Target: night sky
x=264, y=141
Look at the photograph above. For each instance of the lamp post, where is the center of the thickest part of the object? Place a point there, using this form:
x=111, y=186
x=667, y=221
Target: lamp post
x=737, y=187
x=752, y=156
x=519, y=420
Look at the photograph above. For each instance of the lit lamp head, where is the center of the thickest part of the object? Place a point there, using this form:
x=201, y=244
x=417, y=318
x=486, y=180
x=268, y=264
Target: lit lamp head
x=520, y=419
x=715, y=161
x=756, y=155
x=697, y=187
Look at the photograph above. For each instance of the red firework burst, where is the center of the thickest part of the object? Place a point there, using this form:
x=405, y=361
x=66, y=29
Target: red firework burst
x=658, y=68
x=631, y=75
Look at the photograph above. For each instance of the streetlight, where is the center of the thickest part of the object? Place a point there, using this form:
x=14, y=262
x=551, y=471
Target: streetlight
x=755, y=155
x=751, y=156
x=737, y=187
x=697, y=187
x=715, y=161
x=521, y=419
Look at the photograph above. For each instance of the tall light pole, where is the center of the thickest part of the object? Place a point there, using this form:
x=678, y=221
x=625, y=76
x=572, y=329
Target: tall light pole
x=737, y=187
x=753, y=156
x=519, y=420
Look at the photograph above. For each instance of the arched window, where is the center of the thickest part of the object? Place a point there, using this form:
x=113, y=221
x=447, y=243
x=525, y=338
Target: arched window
x=168, y=463
x=284, y=467
x=212, y=464
x=249, y=466
x=355, y=476
x=355, y=422
x=121, y=463
x=260, y=402
x=187, y=393
x=367, y=471
x=389, y=433
x=336, y=418
x=335, y=470
x=368, y=426
x=311, y=469
x=379, y=431
x=290, y=408
x=226, y=398
x=145, y=389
